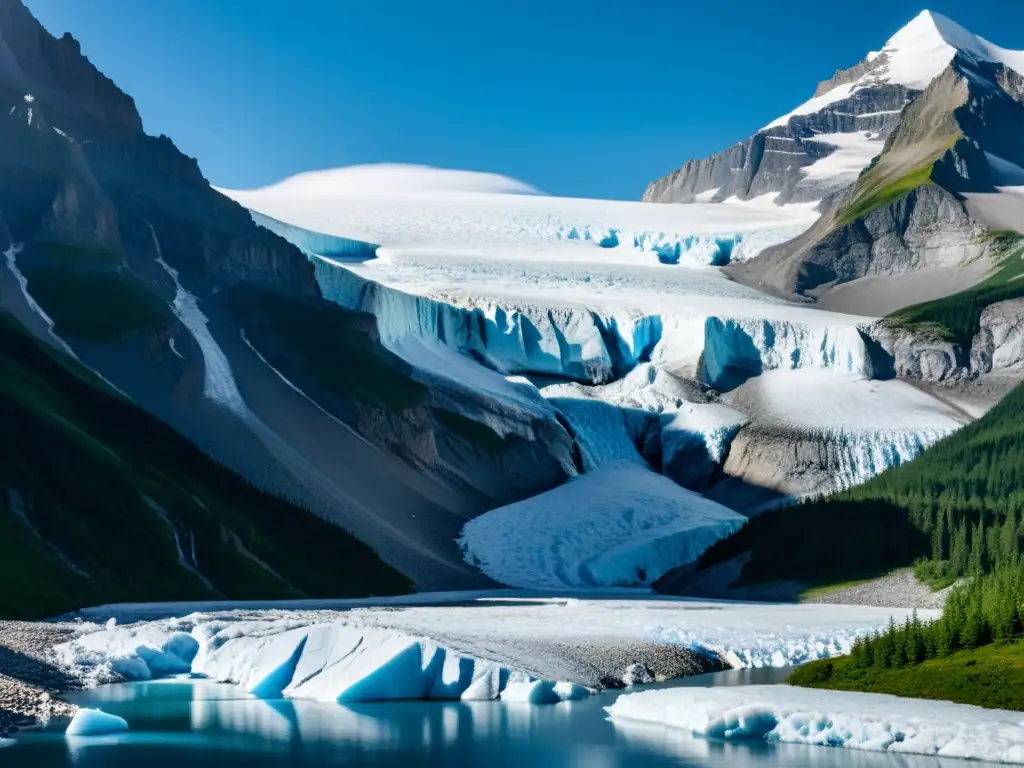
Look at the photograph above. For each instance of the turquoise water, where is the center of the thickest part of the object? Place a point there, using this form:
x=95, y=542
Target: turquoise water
x=195, y=724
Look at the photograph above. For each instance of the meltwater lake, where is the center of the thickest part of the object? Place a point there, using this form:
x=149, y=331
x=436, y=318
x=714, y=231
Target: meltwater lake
x=200, y=724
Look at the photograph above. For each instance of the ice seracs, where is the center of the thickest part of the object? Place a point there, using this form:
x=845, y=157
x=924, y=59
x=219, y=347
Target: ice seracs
x=862, y=721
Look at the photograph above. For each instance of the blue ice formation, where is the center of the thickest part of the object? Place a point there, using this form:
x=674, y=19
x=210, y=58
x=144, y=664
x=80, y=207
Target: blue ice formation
x=716, y=250
x=597, y=346
x=94, y=722
x=310, y=242
x=338, y=662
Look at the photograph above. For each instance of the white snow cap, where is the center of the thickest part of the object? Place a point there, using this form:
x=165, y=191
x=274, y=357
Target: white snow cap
x=396, y=178
x=914, y=57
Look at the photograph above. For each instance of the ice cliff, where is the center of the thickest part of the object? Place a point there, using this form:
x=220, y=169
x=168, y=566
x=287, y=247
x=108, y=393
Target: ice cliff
x=598, y=345
x=298, y=659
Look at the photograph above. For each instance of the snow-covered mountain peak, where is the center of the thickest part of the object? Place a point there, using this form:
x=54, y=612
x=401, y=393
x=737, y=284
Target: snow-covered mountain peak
x=392, y=179
x=919, y=52
x=913, y=57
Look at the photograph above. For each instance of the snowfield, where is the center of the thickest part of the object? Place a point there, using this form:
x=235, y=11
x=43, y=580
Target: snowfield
x=864, y=721
x=618, y=525
x=471, y=218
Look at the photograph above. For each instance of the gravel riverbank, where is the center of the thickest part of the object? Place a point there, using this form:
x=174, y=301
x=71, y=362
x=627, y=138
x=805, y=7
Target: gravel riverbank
x=897, y=590
x=28, y=679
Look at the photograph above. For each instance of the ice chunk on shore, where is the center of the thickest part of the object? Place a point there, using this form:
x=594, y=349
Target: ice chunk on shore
x=620, y=525
x=542, y=692
x=95, y=722
x=138, y=652
x=865, y=721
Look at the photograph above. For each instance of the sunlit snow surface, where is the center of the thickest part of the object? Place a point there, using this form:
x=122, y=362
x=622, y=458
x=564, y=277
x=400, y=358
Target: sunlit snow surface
x=471, y=647
x=914, y=57
x=416, y=222
x=862, y=721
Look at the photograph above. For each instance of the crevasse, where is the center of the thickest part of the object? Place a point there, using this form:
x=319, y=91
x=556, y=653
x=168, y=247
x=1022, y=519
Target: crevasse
x=670, y=248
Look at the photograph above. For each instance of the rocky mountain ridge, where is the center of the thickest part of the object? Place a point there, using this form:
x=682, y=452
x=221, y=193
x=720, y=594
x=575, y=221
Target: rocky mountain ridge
x=117, y=252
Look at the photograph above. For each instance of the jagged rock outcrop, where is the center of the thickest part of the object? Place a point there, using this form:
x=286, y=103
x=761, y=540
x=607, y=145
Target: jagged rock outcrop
x=925, y=355
x=922, y=356
x=999, y=345
x=907, y=213
x=773, y=160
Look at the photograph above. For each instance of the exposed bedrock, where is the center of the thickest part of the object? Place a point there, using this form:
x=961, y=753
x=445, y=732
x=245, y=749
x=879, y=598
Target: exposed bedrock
x=773, y=160
x=925, y=355
x=926, y=228
x=771, y=463
x=999, y=345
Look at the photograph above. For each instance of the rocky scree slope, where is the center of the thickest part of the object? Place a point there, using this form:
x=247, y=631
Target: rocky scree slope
x=119, y=253
x=101, y=502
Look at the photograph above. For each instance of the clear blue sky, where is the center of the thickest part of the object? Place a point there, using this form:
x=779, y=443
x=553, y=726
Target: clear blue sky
x=589, y=98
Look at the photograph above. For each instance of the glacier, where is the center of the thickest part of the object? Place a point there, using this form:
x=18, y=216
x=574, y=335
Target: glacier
x=617, y=317
x=862, y=721
x=617, y=525
x=330, y=246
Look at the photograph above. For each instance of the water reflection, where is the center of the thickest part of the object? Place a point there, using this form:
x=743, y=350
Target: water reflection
x=200, y=724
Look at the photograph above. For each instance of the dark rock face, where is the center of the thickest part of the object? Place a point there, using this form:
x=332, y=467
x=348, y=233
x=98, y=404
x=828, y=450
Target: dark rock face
x=136, y=258
x=927, y=227
x=916, y=356
x=56, y=73
x=74, y=143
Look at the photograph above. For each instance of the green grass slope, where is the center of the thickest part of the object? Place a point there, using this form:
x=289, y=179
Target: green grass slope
x=957, y=509
x=991, y=676
x=99, y=502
